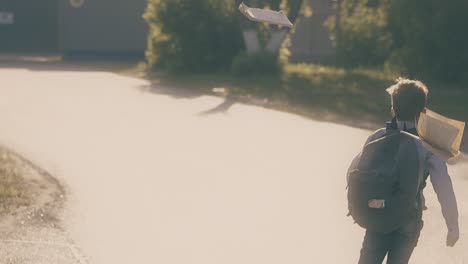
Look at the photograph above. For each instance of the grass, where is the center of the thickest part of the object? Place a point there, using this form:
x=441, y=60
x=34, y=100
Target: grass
x=13, y=188
x=354, y=97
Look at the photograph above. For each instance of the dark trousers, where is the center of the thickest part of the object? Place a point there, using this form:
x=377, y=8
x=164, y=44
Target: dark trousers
x=397, y=245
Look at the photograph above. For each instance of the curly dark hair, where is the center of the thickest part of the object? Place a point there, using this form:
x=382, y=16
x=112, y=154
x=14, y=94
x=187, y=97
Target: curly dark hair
x=409, y=98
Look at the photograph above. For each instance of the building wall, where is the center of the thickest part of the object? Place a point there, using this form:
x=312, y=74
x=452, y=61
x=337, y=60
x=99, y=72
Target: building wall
x=28, y=26
x=311, y=40
x=103, y=27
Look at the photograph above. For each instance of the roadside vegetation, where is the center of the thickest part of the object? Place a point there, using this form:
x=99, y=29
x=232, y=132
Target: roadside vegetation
x=351, y=96
x=13, y=188
x=375, y=42
x=354, y=96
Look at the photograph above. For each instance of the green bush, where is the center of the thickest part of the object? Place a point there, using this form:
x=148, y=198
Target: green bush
x=195, y=35
x=420, y=38
x=257, y=63
x=430, y=39
x=362, y=38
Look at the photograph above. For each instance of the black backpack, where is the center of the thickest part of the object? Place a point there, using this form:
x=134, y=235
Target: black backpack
x=384, y=188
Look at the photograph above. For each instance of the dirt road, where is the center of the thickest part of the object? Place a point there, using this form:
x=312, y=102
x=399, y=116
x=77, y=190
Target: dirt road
x=156, y=177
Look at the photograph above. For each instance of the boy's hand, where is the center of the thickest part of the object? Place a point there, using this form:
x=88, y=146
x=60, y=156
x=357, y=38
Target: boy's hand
x=452, y=237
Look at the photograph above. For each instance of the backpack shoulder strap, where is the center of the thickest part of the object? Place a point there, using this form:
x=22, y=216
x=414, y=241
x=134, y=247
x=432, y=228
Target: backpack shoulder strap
x=392, y=125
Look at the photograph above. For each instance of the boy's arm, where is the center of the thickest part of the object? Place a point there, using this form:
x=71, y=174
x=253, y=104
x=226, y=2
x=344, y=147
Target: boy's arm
x=443, y=187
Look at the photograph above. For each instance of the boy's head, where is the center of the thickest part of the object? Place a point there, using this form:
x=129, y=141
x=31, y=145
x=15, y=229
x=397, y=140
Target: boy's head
x=408, y=98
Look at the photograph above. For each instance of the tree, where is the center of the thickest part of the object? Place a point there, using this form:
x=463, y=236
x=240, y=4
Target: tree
x=360, y=32
x=418, y=38
x=429, y=39
x=195, y=35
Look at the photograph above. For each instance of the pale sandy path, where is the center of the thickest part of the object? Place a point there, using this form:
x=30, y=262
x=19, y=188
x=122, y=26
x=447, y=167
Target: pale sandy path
x=151, y=180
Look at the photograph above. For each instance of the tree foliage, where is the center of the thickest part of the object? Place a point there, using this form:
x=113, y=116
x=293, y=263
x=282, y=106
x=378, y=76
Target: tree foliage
x=361, y=37
x=418, y=37
x=193, y=35
x=429, y=37
x=199, y=35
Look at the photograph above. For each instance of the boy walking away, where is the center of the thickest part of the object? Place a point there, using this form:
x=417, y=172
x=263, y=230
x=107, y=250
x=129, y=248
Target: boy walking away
x=386, y=180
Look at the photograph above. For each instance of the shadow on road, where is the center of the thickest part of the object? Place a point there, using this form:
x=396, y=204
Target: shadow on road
x=221, y=108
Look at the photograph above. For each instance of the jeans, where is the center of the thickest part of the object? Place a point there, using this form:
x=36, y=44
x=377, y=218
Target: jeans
x=397, y=245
